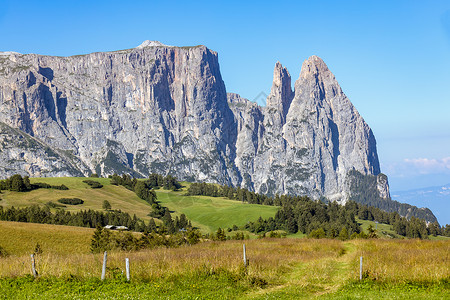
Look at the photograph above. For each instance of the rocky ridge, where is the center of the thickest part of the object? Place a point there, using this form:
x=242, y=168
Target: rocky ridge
x=165, y=109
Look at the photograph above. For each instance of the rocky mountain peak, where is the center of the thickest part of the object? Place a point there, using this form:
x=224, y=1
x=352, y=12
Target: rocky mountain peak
x=281, y=93
x=314, y=66
x=8, y=53
x=149, y=43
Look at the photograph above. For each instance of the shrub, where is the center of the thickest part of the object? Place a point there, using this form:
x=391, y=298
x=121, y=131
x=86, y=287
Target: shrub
x=60, y=187
x=41, y=185
x=71, y=201
x=106, y=205
x=93, y=184
x=317, y=234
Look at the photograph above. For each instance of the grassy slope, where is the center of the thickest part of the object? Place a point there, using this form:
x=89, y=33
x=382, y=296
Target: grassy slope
x=119, y=197
x=206, y=213
x=21, y=238
x=210, y=213
x=383, y=230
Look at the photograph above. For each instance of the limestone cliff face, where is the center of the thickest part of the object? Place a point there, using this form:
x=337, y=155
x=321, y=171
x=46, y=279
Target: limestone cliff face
x=150, y=109
x=309, y=138
x=164, y=109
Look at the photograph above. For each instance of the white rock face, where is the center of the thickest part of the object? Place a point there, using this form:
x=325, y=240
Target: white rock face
x=149, y=43
x=8, y=53
x=165, y=109
x=305, y=142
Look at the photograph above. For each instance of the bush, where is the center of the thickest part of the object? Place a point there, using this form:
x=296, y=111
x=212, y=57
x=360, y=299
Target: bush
x=93, y=184
x=317, y=234
x=60, y=187
x=41, y=185
x=71, y=201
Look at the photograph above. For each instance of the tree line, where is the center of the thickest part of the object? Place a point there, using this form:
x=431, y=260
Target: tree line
x=302, y=214
x=105, y=240
x=84, y=218
x=144, y=189
x=363, y=189
x=17, y=183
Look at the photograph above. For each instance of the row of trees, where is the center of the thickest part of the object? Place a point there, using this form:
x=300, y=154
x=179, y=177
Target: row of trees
x=412, y=227
x=84, y=218
x=104, y=239
x=301, y=214
x=364, y=190
x=306, y=216
x=17, y=183
x=92, y=219
x=240, y=194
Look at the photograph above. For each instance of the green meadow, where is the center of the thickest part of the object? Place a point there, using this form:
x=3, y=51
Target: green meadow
x=210, y=213
x=206, y=213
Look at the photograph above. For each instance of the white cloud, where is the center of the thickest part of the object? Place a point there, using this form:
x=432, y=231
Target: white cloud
x=427, y=165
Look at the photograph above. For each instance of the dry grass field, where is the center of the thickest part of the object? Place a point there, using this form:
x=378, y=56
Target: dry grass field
x=278, y=269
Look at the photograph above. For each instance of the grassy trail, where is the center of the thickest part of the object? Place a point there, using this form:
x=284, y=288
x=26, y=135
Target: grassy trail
x=315, y=278
x=338, y=278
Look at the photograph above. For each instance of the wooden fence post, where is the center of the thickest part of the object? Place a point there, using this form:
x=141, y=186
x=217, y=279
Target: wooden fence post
x=360, y=267
x=33, y=266
x=105, y=258
x=127, y=267
x=245, y=258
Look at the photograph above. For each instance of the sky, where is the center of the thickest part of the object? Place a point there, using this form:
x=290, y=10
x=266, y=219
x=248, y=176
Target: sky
x=391, y=58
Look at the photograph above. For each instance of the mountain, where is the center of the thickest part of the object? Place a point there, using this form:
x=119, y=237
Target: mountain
x=164, y=109
x=436, y=198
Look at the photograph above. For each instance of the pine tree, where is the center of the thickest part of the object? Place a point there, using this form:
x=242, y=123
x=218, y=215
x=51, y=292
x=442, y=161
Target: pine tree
x=151, y=226
x=343, y=234
x=220, y=235
x=96, y=242
x=17, y=184
x=106, y=205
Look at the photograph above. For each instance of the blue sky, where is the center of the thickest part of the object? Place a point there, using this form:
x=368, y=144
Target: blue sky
x=392, y=58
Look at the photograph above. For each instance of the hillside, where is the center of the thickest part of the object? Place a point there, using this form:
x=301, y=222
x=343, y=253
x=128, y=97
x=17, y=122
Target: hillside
x=206, y=213
x=119, y=197
x=210, y=213
x=146, y=204
x=19, y=238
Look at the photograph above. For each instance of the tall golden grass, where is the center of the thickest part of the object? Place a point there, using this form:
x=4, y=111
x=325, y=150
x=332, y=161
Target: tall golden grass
x=324, y=264
x=269, y=259
x=403, y=260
